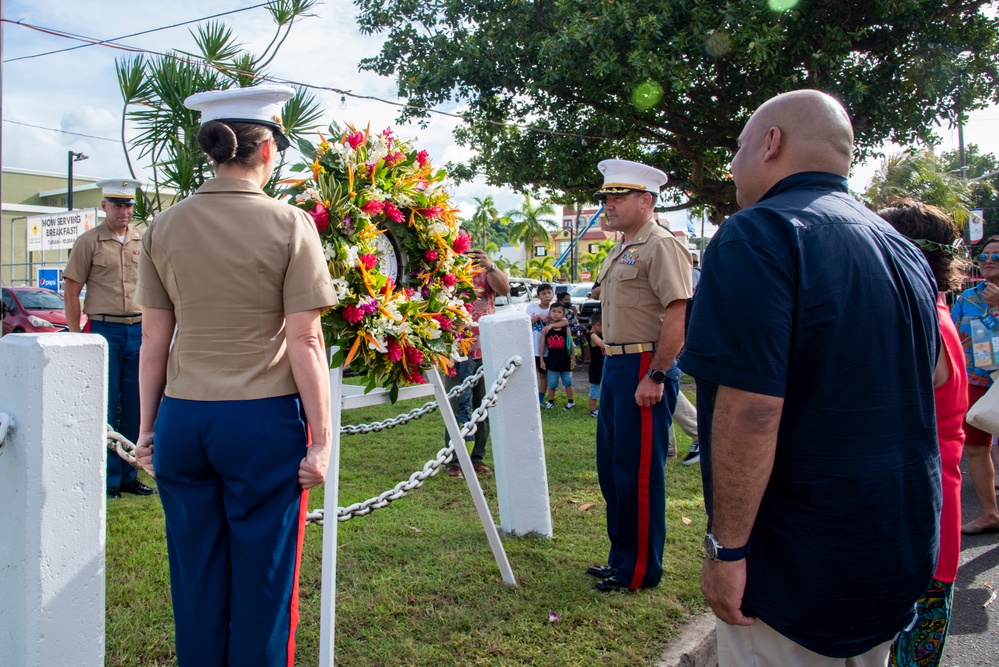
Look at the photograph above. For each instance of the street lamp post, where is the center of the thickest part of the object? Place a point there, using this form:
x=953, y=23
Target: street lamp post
x=70, y=159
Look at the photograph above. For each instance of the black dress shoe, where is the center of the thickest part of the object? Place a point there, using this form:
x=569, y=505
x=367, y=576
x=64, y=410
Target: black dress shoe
x=137, y=488
x=611, y=584
x=600, y=571
x=114, y=492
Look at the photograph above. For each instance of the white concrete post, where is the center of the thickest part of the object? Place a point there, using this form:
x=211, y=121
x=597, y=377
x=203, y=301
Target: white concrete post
x=53, y=500
x=515, y=426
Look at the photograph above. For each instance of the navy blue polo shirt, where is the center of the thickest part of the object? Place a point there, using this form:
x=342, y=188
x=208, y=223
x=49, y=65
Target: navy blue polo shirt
x=809, y=296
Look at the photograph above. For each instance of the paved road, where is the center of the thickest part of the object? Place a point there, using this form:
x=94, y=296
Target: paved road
x=974, y=629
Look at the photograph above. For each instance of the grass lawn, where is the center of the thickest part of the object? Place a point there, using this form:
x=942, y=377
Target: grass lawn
x=417, y=583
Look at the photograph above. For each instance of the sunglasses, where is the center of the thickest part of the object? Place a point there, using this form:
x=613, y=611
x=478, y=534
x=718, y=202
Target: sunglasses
x=985, y=258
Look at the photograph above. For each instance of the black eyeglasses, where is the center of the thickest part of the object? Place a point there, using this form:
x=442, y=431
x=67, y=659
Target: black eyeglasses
x=993, y=257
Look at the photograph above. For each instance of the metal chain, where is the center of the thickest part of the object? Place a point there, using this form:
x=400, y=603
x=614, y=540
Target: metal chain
x=416, y=413
x=430, y=468
x=6, y=428
x=124, y=447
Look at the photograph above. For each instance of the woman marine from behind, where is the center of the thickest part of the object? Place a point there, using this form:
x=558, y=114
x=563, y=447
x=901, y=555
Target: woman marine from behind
x=236, y=416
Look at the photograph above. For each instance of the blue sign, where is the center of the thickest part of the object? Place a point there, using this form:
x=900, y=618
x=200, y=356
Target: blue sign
x=49, y=279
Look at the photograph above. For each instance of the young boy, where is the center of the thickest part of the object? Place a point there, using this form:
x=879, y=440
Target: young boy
x=596, y=369
x=538, y=312
x=556, y=356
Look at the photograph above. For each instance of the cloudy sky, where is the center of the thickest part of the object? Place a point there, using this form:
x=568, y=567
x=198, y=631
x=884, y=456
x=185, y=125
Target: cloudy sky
x=76, y=91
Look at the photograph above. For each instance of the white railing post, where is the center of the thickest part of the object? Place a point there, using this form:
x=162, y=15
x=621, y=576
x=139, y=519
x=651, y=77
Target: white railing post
x=52, y=497
x=515, y=426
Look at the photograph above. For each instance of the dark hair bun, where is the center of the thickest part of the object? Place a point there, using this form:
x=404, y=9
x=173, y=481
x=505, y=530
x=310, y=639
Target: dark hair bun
x=218, y=141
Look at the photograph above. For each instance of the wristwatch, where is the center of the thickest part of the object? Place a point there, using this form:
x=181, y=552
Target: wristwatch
x=656, y=375
x=490, y=268
x=715, y=551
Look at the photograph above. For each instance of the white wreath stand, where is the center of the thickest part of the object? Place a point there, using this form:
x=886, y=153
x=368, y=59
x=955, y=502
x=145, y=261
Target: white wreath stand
x=340, y=402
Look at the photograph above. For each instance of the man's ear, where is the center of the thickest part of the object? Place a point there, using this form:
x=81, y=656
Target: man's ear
x=772, y=144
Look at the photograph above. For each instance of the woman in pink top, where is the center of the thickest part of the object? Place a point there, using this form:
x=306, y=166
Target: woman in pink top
x=933, y=231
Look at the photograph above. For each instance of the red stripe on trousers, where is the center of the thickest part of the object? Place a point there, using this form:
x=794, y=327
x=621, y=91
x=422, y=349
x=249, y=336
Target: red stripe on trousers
x=644, y=470
x=303, y=509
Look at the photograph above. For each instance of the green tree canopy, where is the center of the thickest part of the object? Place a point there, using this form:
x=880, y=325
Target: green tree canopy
x=923, y=176
x=552, y=87
x=980, y=167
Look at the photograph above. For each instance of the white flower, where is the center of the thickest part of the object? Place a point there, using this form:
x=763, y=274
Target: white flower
x=351, y=255
x=342, y=288
x=378, y=344
x=433, y=329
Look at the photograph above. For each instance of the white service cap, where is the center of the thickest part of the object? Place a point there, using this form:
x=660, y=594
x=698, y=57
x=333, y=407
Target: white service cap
x=623, y=176
x=260, y=105
x=120, y=190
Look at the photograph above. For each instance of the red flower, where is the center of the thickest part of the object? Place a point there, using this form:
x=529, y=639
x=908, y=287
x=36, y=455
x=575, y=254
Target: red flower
x=431, y=255
x=446, y=324
x=373, y=207
x=423, y=157
x=352, y=314
x=452, y=371
x=393, y=159
x=409, y=292
x=431, y=213
x=394, y=353
x=413, y=356
x=387, y=133
x=415, y=378
x=321, y=217
x=369, y=261
x=449, y=280
x=355, y=139
x=393, y=213
x=389, y=284
x=462, y=244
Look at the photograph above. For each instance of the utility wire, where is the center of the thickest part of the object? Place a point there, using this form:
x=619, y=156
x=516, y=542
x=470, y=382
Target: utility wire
x=134, y=34
x=222, y=68
x=55, y=129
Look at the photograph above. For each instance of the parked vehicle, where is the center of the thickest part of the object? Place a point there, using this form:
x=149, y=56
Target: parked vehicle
x=579, y=293
x=522, y=292
x=34, y=310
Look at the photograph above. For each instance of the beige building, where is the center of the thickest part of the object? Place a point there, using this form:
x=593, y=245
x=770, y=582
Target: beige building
x=28, y=193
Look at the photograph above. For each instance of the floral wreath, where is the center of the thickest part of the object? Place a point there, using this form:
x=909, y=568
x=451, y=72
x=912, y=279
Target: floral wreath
x=361, y=186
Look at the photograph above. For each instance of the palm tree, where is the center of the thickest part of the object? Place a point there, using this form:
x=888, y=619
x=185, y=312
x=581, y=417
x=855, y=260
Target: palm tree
x=482, y=221
x=528, y=225
x=593, y=261
x=153, y=90
x=541, y=268
x=920, y=175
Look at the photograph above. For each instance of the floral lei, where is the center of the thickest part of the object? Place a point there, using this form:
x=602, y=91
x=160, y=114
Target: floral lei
x=362, y=184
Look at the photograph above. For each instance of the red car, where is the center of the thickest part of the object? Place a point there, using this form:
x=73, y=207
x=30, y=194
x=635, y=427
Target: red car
x=34, y=310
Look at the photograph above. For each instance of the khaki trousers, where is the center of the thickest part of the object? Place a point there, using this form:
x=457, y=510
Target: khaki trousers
x=685, y=416
x=759, y=645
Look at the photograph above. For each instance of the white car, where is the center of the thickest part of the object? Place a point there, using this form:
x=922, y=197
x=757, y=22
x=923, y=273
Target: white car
x=522, y=292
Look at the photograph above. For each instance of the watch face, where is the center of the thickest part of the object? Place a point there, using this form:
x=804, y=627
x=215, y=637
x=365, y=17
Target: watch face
x=389, y=255
x=710, y=549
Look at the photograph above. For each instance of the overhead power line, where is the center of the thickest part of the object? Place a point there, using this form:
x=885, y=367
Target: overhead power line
x=55, y=129
x=134, y=34
x=90, y=41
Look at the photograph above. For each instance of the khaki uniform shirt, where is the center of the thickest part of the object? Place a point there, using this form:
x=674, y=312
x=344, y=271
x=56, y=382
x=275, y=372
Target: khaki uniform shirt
x=231, y=263
x=638, y=280
x=109, y=269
